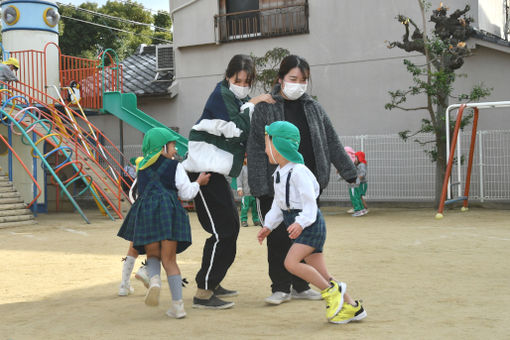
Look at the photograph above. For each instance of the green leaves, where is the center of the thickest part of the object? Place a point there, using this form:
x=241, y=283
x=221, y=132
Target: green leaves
x=267, y=67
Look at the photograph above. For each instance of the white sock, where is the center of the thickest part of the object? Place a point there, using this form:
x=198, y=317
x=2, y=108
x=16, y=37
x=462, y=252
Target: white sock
x=127, y=269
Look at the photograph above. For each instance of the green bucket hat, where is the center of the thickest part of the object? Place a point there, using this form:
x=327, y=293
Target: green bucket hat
x=153, y=142
x=286, y=140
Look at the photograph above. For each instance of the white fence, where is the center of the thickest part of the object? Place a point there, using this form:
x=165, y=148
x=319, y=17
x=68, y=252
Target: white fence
x=402, y=171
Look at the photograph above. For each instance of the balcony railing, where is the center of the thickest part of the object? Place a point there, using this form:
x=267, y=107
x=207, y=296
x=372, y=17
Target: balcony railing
x=262, y=23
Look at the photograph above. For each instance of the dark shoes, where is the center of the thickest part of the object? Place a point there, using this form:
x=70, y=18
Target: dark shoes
x=244, y=224
x=257, y=223
x=222, y=292
x=212, y=303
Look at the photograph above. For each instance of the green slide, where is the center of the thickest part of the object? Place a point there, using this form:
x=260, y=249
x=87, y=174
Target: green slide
x=123, y=106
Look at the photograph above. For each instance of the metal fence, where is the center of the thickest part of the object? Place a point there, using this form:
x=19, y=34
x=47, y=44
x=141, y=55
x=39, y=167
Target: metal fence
x=402, y=171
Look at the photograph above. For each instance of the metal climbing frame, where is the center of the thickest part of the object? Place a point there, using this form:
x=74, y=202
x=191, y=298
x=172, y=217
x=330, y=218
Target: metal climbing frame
x=450, y=152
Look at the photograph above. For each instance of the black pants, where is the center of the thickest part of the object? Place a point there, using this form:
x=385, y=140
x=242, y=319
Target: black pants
x=278, y=245
x=218, y=215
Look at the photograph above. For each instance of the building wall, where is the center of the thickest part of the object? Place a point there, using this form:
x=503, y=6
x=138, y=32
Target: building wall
x=352, y=69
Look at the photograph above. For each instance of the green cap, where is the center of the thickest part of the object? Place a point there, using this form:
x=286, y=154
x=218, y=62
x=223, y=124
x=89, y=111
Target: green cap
x=286, y=140
x=153, y=142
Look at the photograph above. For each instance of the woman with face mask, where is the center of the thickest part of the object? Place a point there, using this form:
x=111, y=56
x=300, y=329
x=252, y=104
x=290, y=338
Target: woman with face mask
x=217, y=145
x=320, y=146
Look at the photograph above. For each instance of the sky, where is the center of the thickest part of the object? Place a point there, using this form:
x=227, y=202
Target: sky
x=148, y=4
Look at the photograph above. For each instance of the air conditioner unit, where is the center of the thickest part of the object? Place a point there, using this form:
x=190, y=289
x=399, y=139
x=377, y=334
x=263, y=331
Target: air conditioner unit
x=164, y=58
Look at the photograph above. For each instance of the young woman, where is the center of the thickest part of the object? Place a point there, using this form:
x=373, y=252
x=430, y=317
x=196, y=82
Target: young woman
x=217, y=145
x=320, y=146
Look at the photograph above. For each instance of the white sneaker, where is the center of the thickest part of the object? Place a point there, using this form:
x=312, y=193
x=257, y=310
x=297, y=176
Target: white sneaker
x=359, y=213
x=308, y=294
x=125, y=289
x=350, y=211
x=278, y=297
x=152, y=296
x=176, y=310
x=143, y=276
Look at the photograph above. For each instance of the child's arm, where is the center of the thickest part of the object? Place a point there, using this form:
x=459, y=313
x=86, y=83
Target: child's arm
x=185, y=189
x=272, y=220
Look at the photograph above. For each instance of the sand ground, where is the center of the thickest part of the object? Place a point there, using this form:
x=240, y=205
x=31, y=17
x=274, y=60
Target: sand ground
x=419, y=278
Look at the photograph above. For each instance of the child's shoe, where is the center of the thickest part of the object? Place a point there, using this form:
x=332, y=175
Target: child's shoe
x=176, y=310
x=360, y=213
x=143, y=276
x=244, y=224
x=257, y=224
x=350, y=211
x=334, y=297
x=125, y=289
x=350, y=313
x=152, y=296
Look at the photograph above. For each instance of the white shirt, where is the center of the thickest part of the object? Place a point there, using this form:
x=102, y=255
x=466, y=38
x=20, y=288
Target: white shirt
x=303, y=193
x=186, y=190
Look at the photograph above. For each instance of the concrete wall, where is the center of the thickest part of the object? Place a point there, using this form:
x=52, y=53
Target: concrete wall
x=22, y=180
x=491, y=17
x=352, y=70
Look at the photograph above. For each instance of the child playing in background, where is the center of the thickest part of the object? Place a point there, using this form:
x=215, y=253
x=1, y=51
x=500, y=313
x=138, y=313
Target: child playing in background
x=296, y=191
x=247, y=201
x=157, y=224
x=357, y=204
x=361, y=165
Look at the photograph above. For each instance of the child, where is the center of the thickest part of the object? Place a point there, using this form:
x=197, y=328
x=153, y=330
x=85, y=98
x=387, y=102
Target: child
x=296, y=191
x=157, y=224
x=361, y=165
x=357, y=205
x=247, y=201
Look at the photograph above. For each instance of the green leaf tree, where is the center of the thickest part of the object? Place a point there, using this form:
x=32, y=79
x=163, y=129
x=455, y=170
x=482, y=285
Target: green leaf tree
x=444, y=50
x=267, y=68
x=78, y=37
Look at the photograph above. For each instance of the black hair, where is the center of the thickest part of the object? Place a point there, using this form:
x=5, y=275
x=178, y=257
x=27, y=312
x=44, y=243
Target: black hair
x=241, y=62
x=290, y=62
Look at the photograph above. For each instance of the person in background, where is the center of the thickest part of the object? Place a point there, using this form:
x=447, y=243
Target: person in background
x=8, y=69
x=247, y=201
x=361, y=165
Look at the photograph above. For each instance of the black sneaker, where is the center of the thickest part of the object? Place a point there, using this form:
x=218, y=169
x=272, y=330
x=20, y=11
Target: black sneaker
x=213, y=303
x=222, y=292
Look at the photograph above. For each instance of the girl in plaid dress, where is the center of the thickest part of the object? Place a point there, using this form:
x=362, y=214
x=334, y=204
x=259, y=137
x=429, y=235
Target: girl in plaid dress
x=295, y=194
x=157, y=224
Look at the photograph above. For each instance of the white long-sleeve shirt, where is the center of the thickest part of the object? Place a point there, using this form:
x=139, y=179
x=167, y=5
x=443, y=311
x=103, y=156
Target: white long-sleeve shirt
x=186, y=190
x=303, y=192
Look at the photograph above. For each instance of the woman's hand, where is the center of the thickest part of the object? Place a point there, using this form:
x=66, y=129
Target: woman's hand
x=294, y=230
x=203, y=178
x=263, y=233
x=266, y=97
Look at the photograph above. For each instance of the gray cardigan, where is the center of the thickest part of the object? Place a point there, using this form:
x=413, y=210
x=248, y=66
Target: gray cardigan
x=325, y=143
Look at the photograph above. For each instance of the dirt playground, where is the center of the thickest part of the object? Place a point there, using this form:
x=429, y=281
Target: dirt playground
x=419, y=278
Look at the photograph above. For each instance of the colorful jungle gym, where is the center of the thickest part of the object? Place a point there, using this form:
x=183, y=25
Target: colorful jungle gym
x=41, y=130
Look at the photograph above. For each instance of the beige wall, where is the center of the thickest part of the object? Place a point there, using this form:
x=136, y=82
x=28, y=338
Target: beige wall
x=352, y=69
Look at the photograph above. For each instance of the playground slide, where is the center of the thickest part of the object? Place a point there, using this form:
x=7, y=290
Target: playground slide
x=124, y=107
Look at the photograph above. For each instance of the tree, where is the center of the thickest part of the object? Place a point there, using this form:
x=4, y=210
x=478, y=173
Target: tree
x=79, y=38
x=267, y=67
x=444, y=51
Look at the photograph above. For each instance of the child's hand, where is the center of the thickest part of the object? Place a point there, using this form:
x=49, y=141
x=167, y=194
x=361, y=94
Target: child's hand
x=294, y=230
x=203, y=178
x=263, y=233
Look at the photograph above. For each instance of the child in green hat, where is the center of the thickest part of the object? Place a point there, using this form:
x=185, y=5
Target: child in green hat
x=295, y=194
x=157, y=224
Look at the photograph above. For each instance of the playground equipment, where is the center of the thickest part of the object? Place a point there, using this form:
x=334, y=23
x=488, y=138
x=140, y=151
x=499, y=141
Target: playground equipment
x=65, y=127
x=450, y=152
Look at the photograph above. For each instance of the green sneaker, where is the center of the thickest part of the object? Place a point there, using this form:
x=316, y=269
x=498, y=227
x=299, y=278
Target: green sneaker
x=350, y=313
x=334, y=297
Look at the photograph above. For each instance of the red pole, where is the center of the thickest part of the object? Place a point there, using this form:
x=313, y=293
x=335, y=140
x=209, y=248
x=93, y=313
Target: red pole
x=471, y=153
x=450, y=161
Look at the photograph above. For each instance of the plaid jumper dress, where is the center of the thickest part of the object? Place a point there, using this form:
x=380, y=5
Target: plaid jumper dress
x=157, y=214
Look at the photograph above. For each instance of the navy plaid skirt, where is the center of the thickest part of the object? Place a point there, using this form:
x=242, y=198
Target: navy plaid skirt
x=314, y=235
x=155, y=216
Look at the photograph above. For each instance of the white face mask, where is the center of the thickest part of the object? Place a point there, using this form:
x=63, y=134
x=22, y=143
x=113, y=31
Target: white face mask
x=294, y=90
x=239, y=91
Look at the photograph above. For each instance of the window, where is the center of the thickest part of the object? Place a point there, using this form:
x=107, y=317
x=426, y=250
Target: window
x=256, y=19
